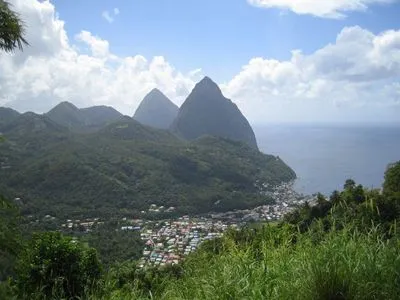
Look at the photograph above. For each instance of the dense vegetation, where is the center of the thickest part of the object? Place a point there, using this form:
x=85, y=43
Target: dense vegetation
x=346, y=247
x=125, y=167
x=114, y=246
x=83, y=120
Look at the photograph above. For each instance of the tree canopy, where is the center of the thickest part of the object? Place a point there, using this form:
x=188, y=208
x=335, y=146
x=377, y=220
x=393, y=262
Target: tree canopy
x=54, y=267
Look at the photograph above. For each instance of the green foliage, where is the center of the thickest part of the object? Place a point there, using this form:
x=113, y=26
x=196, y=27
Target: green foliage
x=115, y=246
x=11, y=29
x=345, y=248
x=125, y=167
x=343, y=265
x=392, y=179
x=54, y=266
x=83, y=120
x=128, y=282
x=10, y=237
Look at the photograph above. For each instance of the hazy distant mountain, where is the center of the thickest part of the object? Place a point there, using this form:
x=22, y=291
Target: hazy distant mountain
x=32, y=132
x=66, y=114
x=207, y=112
x=156, y=110
x=86, y=119
x=7, y=115
x=100, y=115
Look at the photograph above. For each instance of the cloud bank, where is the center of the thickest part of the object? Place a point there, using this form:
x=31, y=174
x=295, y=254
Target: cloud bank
x=335, y=9
x=356, y=78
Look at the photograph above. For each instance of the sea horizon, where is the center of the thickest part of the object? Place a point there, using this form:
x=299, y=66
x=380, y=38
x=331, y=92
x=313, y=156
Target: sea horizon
x=324, y=155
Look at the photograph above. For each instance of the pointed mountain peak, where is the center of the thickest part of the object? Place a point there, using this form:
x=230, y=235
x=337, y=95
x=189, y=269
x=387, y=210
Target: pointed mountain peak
x=155, y=95
x=207, y=85
x=156, y=110
x=207, y=79
x=155, y=91
x=207, y=82
x=207, y=112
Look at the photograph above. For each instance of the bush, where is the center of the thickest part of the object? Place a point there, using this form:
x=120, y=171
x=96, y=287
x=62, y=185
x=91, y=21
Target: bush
x=54, y=266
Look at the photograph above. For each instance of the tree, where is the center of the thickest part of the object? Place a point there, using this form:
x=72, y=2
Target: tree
x=349, y=184
x=335, y=197
x=392, y=179
x=10, y=237
x=11, y=29
x=55, y=267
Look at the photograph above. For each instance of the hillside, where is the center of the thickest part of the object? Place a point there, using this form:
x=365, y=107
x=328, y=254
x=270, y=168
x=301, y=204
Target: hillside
x=207, y=112
x=344, y=247
x=100, y=115
x=156, y=110
x=83, y=120
x=126, y=167
x=7, y=115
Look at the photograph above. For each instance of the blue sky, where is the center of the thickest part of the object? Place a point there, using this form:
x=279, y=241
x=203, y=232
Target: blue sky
x=278, y=60
x=217, y=36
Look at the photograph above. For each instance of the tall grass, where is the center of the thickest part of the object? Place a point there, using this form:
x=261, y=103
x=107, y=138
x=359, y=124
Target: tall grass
x=344, y=265
x=271, y=263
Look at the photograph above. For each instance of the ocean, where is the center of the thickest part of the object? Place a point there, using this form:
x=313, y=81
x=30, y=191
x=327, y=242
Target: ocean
x=324, y=156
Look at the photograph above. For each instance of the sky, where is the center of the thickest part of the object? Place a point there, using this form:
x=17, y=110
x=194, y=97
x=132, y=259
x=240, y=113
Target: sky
x=278, y=60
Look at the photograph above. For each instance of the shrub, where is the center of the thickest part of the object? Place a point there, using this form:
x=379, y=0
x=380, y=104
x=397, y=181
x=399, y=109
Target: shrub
x=54, y=266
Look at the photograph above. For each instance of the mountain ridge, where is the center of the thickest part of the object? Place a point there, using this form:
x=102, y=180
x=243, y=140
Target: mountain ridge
x=127, y=166
x=83, y=119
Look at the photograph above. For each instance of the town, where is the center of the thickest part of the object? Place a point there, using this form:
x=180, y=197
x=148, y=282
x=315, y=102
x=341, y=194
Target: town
x=169, y=241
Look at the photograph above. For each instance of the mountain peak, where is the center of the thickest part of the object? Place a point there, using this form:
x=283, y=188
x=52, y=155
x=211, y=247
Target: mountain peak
x=156, y=110
x=207, y=84
x=66, y=104
x=85, y=119
x=155, y=91
x=207, y=112
x=155, y=95
x=7, y=115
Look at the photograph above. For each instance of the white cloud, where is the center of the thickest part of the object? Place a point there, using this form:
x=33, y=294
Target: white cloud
x=55, y=69
x=98, y=47
x=110, y=16
x=359, y=72
x=321, y=8
x=357, y=77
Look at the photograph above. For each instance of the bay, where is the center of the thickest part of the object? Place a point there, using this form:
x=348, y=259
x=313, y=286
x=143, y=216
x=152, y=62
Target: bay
x=325, y=155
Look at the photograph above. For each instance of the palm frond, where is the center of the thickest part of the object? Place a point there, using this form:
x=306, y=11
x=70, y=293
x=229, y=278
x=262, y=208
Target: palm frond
x=12, y=29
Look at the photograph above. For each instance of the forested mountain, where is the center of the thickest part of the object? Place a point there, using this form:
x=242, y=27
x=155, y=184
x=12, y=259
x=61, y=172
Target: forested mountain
x=126, y=167
x=344, y=247
x=7, y=115
x=156, y=110
x=86, y=119
x=100, y=115
x=207, y=112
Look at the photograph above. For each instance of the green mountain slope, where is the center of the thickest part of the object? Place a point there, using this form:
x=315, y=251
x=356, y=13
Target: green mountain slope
x=85, y=119
x=126, y=166
x=7, y=115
